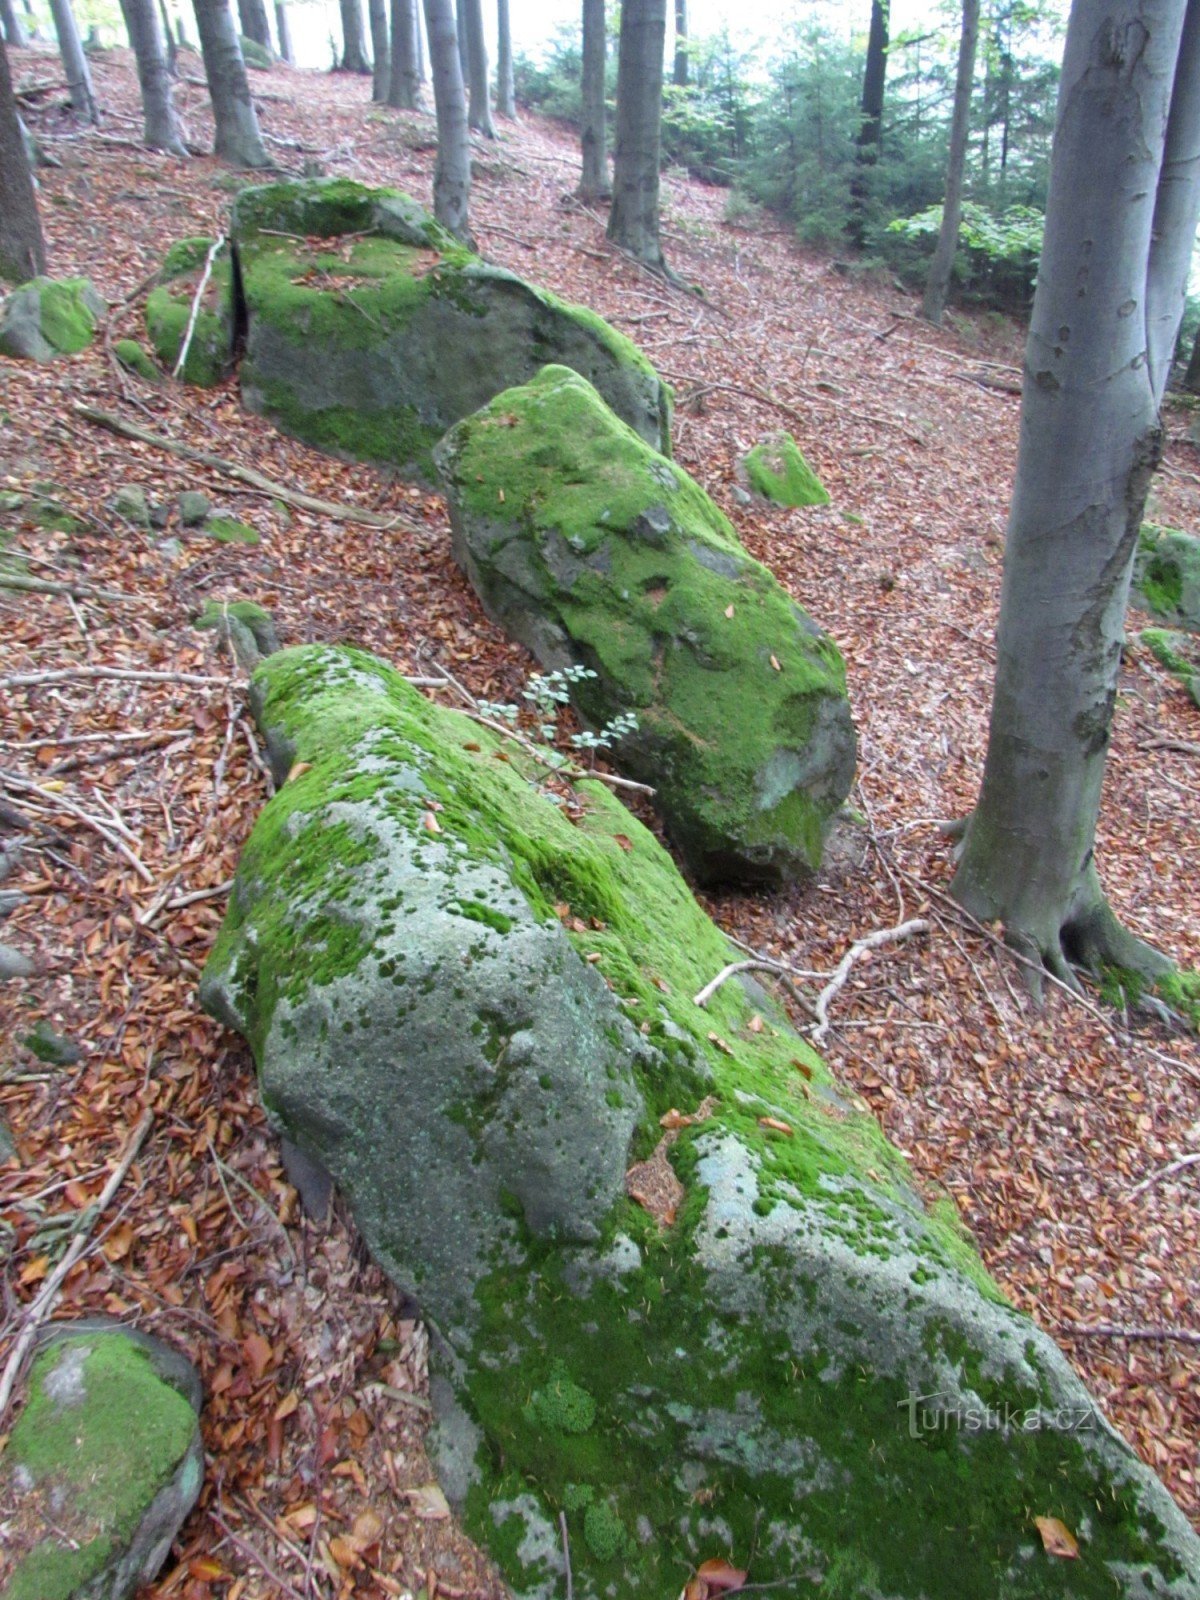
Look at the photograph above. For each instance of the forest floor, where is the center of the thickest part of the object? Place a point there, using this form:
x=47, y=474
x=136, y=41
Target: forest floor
x=132, y=798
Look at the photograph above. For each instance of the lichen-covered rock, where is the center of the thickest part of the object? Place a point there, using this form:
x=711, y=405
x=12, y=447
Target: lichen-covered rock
x=589, y=547
x=50, y=317
x=777, y=470
x=169, y=310
x=371, y=330
x=102, y=1467
x=476, y=1011
x=1166, y=576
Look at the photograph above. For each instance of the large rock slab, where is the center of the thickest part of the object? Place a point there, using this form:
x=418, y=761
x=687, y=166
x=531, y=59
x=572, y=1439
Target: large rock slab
x=370, y=329
x=50, y=317
x=102, y=1467
x=476, y=1010
x=590, y=548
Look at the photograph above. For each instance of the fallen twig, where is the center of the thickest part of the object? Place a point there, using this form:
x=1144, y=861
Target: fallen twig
x=41, y=1307
x=254, y=1555
x=1110, y=1330
x=1165, y=1172
x=109, y=831
x=857, y=950
x=194, y=313
x=26, y=584
x=231, y=469
x=26, y=680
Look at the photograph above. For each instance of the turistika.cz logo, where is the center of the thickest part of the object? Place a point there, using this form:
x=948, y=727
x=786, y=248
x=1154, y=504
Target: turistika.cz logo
x=938, y=1413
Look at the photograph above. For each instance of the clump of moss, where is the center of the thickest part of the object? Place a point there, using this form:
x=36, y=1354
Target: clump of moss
x=134, y=357
x=169, y=311
x=1166, y=576
x=1178, y=654
x=778, y=471
x=603, y=1530
x=228, y=530
x=562, y=1405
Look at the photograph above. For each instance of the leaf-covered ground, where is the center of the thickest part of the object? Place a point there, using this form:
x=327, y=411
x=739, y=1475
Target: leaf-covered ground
x=130, y=797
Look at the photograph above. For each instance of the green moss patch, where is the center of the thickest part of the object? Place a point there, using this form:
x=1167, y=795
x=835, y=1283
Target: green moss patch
x=777, y=470
x=1166, y=576
x=169, y=310
x=135, y=359
x=228, y=530
x=1179, y=653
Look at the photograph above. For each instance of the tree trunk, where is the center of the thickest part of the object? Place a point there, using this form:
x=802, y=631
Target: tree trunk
x=286, y=53
x=14, y=32
x=937, y=285
x=22, y=253
x=160, y=124
x=506, y=101
x=461, y=34
x=870, y=127
x=172, y=49
x=79, y=76
x=238, y=140
x=480, y=108
x=419, y=35
x=452, y=170
x=680, y=74
x=354, y=55
x=255, y=23
x=633, y=220
x=381, y=72
x=402, y=78
x=593, y=183
x=1110, y=294
x=1191, y=378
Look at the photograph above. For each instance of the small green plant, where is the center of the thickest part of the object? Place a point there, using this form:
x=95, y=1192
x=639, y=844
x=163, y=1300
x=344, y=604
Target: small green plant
x=534, y=723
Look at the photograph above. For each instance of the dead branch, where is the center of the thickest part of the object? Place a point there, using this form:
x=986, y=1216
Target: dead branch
x=1165, y=1172
x=857, y=950
x=73, y=591
x=1111, y=1330
x=232, y=469
x=109, y=831
x=26, y=680
x=41, y=1307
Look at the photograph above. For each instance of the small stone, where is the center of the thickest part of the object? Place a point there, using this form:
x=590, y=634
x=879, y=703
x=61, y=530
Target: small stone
x=51, y=1047
x=160, y=515
x=170, y=549
x=10, y=901
x=130, y=502
x=230, y=531
x=193, y=507
x=13, y=964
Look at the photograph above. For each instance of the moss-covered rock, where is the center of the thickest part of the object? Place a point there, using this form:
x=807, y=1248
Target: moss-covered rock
x=102, y=1467
x=135, y=359
x=256, y=55
x=231, y=530
x=245, y=626
x=50, y=317
x=169, y=310
x=474, y=1011
x=369, y=329
x=777, y=470
x=1177, y=652
x=589, y=547
x=1166, y=576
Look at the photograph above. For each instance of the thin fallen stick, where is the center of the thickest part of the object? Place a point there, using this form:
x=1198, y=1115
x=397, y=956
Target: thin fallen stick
x=779, y=969
x=857, y=950
x=141, y=735
x=72, y=591
x=1109, y=1330
x=231, y=469
x=26, y=680
x=566, y=1547
x=731, y=971
x=213, y=251
x=1165, y=1172
x=41, y=1307
x=251, y=1554
x=110, y=832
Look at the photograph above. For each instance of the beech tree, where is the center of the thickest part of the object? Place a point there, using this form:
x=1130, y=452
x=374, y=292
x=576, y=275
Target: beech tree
x=633, y=220
x=679, y=76
x=937, y=285
x=1120, y=222
x=255, y=25
x=160, y=125
x=593, y=182
x=480, y=109
x=403, y=83
x=238, y=140
x=22, y=253
x=75, y=65
x=381, y=71
x=284, y=33
x=506, y=103
x=14, y=32
x=452, y=168
x=354, y=54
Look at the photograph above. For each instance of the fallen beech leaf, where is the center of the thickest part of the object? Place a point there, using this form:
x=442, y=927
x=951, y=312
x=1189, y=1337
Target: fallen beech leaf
x=428, y=1502
x=472, y=746
x=297, y=770
x=720, y=1576
x=623, y=840
x=675, y=1119
x=756, y=1024
x=696, y=1589
x=776, y=1125
x=803, y=1068
x=206, y=1569
x=258, y=1353
x=775, y=664
x=345, y=1551
x=286, y=1406
x=721, y=1044
x=368, y=1525
x=729, y=611
x=1057, y=1538
x=36, y=1269
x=431, y=823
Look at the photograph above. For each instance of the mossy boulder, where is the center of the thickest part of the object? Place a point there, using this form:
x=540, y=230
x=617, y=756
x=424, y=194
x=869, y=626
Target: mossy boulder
x=169, y=310
x=246, y=628
x=777, y=470
x=475, y=1009
x=1179, y=653
x=591, y=548
x=50, y=317
x=134, y=358
x=370, y=330
x=102, y=1467
x=1166, y=576
x=256, y=55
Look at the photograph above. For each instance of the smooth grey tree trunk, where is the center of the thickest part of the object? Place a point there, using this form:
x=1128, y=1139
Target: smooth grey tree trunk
x=354, y=54
x=461, y=33
x=403, y=90
x=633, y=220
x=255, y=22
x=680, y=75
x=377, y=12
x=937, y=285
x=168, y=32
x=160, y=124
x=22, y=253
x=1120, y=221
x=14, y=31
x=238, y=140
x=419, y=30
x=452, y=170
x=284, y=32
x=79, y=76
x=593, y=181
x=479, y=114
x=506, y=100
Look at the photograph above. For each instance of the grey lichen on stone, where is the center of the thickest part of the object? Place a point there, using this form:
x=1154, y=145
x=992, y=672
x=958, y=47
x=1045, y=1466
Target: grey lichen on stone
x=594, y=550
x=103, y=1464
x=50, y=317
x=194, y=506
x=131, y=505
x=477, y=1013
